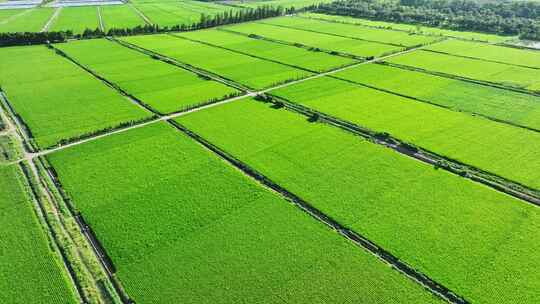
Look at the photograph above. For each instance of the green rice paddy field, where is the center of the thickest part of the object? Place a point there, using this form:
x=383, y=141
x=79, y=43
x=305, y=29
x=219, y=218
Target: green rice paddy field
x=353, y=31
x=485, y=51
x=164, y=87
x=465, y=232
x=512, y=107
x=32, y=20
x=76, y=19
x=513, y=76
x=57, y=99
x=476, y=141
x=247, y=70
x=323, y=41
x=30, y=272
x=298, y=57
x=182, y=241
x=120, y=16
x=409, y=28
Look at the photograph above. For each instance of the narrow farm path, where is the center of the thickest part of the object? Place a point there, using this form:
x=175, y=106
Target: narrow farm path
x=52, y=19
x=141, y=14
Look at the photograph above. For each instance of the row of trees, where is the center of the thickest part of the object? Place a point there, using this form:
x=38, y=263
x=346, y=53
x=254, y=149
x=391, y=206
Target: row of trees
x=503, y=18
x=227, y=17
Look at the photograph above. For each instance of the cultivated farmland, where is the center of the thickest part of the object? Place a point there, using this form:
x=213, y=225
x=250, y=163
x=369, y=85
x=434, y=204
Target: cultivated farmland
x=459, y=136
x=434, y=31
x=30, y=21
x=353, y=31
x=76, y=19
x=249, y=71
x=47, y=102
x=512, y=107
x=194, y=237
x=466, y=232
x=504, y=74
x=522, y=57
x=120, y=16
x=162, y=86
x=315, y=40
x=29, y=271
x=298, y=57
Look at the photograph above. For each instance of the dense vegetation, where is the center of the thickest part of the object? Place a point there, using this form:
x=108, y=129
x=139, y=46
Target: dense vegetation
x=58, y=100
x=247, y=70
x=163, y=87
x=450, y=228
x=30, y=272
x=198, y=225
x=498, y=17
x=476, y=141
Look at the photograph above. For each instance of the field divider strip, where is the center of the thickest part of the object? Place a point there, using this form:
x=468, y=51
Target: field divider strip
x=52, y=19
x=498, y=183
x=502, y=121
x=336, y=35
x=461, y=78
x=52, y=236
x=24, y=12
x=434, y=287
x=481, y=59
x=100, y=19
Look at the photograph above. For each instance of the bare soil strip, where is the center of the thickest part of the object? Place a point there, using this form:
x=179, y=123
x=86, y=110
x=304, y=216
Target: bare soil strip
x=143, y=16
x=101, y=23
x=52, y=19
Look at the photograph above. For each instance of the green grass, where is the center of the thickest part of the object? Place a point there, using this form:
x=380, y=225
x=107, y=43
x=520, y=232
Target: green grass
x=252, y=72
x=32, y=21
x=494, y=147
x=170, y=13
x=120, y=16
x=410, y=28
x=489, y=52
x=76, y=19
x=164, y=87
x=57, y=99
x=299, y=57
x=200, y=226
x=29, y=271
x=353, y=31
x=450, y=228
x=471, y=68
x=322, y=41
x=8, y=14
x=513, y=107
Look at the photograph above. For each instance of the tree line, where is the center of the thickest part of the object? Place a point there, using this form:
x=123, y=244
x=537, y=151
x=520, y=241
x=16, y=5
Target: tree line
x=499, y=17
x=206, y=21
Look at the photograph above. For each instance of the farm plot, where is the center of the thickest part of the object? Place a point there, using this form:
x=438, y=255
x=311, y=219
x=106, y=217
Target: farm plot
x=353, y=31
x=315, y=40
x=31, y=21
x=163, y=87
x=513, y=107
x=56, y=99
x=504, y=150
x=178, y=13
x=252, y=72
x=29, y=271
x=8, y=14
x=434, y=31
x=450, y=228
x=120, y=16
x=513, y=76
x=492, y=52
x=200, y=226
x=76, y=19
x=298, y=57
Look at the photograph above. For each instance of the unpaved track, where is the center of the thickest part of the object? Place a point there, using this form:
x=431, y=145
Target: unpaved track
x=52, y=19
